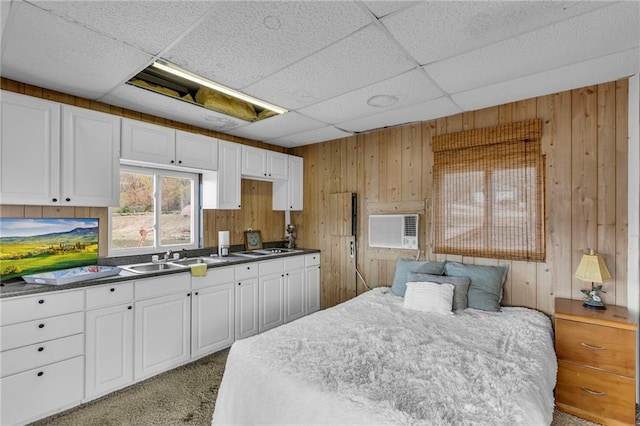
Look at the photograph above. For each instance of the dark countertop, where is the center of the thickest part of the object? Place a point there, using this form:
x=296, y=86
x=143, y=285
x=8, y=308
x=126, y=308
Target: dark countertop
x=21, y=288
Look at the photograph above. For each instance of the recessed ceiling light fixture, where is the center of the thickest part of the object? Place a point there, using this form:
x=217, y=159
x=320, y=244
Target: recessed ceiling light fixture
x=182, y=73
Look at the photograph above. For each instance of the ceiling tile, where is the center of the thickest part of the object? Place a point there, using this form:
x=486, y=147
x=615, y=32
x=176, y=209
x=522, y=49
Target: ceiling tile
x=436, y=30
x=271, y=35
x=277, y=126
x=311, y=136
x=583, y=37
x=361, y=59
x=50, y=52
x=148, y=25
x=148, y=102
x=429, y=110
x=601, y=70
x=405, y=89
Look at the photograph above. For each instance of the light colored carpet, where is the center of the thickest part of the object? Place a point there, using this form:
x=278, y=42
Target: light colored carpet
x=184, y=396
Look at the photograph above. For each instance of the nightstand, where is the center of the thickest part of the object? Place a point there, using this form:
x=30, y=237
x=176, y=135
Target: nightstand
x=596, y=362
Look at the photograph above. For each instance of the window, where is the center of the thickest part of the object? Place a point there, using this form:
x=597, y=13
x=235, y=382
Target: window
x=489, y=192
x=158, y=211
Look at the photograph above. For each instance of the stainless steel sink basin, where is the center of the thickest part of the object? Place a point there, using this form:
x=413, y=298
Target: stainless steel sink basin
x=266, y=252
x=195, y=260
x=141, y=268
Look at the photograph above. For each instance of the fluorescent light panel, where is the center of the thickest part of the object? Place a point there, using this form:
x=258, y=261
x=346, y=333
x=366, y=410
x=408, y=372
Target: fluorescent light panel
x=177, y=71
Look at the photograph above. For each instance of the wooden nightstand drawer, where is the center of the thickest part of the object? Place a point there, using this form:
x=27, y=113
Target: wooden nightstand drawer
x=597, y=346
x=595, y=395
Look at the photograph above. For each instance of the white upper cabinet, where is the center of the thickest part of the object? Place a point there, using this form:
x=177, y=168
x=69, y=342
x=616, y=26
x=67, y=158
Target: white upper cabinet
x=153, y=144
x=57, y=155
x=263, y=164
x=222, y=189
x=288, y=195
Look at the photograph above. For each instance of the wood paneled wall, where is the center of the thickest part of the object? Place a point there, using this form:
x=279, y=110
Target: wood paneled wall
x=256, y=199
x=584, y=140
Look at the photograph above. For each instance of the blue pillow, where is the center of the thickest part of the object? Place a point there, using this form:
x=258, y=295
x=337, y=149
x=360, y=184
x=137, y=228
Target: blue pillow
x=485, y=289
x=404, y=266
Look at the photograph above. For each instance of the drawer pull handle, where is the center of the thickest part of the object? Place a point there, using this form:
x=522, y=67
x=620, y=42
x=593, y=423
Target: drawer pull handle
x=40, y=373
x=40, y=325
x=592, y=392
x=595, y=348
x=41, y=348
x=112, y=290
x=41, y=301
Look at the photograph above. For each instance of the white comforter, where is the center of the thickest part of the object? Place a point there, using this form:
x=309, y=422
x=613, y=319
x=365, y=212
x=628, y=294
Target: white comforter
x=370, y=361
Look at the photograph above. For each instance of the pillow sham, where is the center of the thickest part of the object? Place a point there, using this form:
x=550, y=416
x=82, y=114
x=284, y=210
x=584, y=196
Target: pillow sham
x=404, y=266
x=460, y=286
x=485, y=288
x=429, y=297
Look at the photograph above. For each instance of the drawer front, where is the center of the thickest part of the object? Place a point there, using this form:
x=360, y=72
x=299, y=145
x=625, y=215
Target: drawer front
x=31, y=332
x=293, y=263
x=215, y=276
x=312, y=259
x=605, y=395
x=38, y=355
x=107, y=295
x=247, y=270
x=271, y=267
x=602, y=347
x=160, y=286
x=35, y=393
x=15, y=310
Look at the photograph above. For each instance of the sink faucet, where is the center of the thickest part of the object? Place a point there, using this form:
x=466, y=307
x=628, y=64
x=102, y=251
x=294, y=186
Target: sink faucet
x=167, y=255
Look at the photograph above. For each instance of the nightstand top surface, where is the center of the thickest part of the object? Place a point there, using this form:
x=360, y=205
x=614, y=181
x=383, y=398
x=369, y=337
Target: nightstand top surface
x=614, y=316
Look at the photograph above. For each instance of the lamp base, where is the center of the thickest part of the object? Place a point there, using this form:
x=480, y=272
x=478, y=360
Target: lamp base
x=592, y=304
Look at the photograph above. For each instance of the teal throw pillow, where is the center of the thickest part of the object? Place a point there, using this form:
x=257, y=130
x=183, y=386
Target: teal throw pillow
x=404, y=266
x=460, y=286
x=485, y=289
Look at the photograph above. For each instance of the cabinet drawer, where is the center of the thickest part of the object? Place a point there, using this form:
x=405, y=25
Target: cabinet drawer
x=606, y=348
x=160, y=286
x=247, y=270
x=31, y=332
x=107, y=295
x=271, y=267
x=293, y=263
x=312, y=259
x=38, y=355
x=17, y=310
x=215, y=276
x=594, y=393
x=31, y=395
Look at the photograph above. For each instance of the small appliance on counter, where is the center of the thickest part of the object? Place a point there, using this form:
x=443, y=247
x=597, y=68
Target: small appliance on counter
x=291, y=236
x=223, y=243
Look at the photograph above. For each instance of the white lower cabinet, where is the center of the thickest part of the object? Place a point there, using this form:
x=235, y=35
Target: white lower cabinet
x=312, y=283
x=212, y=319
x=271, y=294
x=294, y=295
x=246, y=294
x=162, y=334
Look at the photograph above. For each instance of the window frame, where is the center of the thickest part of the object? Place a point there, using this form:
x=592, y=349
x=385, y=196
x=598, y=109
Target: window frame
x=196, y=219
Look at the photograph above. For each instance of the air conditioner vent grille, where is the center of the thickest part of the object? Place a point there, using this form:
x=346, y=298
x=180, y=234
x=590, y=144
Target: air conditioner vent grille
x=411, y=226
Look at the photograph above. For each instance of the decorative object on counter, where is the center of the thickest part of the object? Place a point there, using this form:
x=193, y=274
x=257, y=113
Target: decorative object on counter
x=291, y=236
x=252, y=239
x=593, y=268
x=223, y=243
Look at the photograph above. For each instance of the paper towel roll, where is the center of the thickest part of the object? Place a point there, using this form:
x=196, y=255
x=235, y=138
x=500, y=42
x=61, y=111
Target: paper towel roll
x=223, y=238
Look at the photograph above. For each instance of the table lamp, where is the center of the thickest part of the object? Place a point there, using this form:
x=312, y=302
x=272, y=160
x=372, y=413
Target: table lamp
x=592, y=268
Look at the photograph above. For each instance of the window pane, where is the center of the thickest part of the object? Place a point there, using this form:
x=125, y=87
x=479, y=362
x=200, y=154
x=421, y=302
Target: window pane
x=132, y=222
x=177, y=211
x=464, y=202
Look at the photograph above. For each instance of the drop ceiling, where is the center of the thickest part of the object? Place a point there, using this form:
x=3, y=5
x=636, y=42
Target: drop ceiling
x=339, y=67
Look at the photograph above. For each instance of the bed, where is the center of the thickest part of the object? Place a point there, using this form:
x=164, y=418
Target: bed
x=372, y=361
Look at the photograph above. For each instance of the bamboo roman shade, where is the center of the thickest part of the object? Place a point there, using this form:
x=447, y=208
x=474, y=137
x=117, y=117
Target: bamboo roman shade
x=489, y=192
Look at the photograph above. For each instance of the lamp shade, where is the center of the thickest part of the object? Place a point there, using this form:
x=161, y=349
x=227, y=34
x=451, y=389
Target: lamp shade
x=592, y=268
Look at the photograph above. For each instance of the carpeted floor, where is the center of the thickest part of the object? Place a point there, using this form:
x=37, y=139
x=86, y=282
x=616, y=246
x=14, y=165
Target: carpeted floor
x=184, y=396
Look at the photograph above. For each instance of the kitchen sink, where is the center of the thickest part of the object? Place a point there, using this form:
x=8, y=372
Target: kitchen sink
x=266, y=252
x=141, y=268
x=195, y=260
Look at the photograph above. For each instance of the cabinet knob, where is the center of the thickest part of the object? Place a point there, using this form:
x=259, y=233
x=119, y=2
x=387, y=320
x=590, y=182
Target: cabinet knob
x=41, y=301
x=40, y=374
x=40, y=325
x=180, y=162
x=67, y=199
x=55, y=200
x=172, y=161
x=112, y=290
x=129, y=307
x=189, y=294
x=239, y=283
x=196, y=293
x=41, y=348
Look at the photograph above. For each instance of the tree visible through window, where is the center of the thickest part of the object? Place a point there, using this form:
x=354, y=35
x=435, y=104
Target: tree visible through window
x=489, y=192
x=157, y=211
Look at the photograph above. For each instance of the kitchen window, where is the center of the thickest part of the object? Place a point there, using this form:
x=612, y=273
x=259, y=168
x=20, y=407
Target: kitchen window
x=159, y=210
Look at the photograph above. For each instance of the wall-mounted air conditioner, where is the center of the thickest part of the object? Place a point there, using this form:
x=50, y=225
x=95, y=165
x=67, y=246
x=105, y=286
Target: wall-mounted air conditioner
x=393, y=231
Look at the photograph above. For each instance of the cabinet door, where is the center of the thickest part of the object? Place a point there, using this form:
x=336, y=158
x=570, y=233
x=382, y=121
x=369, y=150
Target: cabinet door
x=213, y=316
x=254, y=162
x=295, y=183
x=277, y=165
x=90, y=160
x=229, y=184
x=246, y=308
x=147, y=143
x=197, y=151
x=312, y=284
x=109, y=349
x=162, y=333
x=271, y=300
x=294, y=295
x=29, y=150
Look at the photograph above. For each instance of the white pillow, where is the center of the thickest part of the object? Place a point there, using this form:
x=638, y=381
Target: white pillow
x=429, y=297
